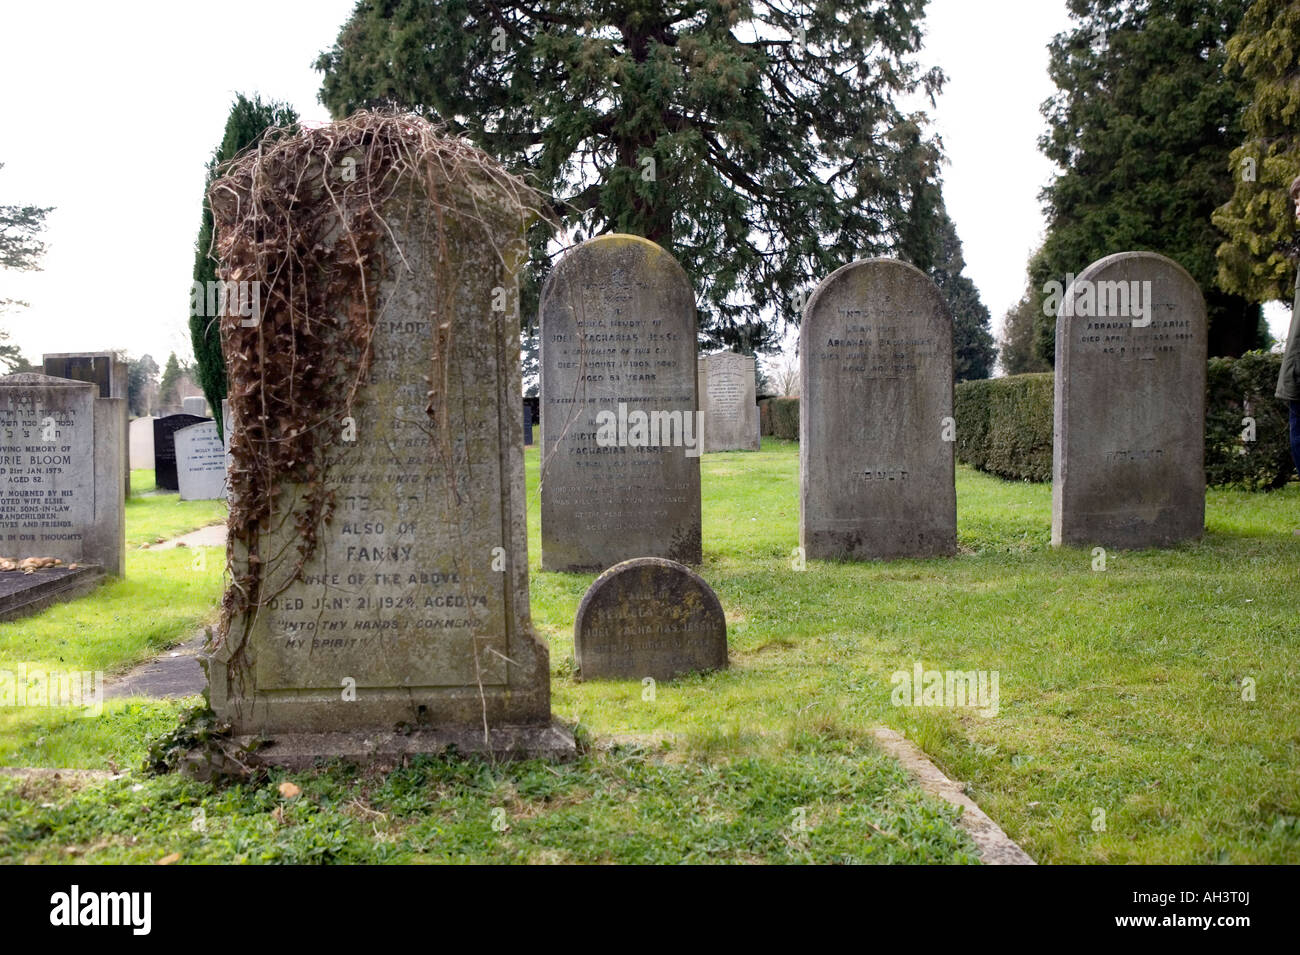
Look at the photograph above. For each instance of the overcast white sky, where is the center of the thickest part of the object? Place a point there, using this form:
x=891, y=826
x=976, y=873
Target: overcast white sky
x=112, y=110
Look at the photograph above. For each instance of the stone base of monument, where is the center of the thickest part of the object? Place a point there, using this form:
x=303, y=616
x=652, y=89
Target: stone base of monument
x=389, y=750
x=22, y=594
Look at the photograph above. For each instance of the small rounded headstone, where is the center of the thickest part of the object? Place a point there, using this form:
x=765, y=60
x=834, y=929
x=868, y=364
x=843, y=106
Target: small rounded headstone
x=649, y=617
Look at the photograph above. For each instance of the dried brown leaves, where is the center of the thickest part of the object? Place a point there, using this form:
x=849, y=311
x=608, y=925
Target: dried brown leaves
x=303, y=214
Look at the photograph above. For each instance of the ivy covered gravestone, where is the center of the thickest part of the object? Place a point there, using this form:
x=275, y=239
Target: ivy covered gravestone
x=378, y=598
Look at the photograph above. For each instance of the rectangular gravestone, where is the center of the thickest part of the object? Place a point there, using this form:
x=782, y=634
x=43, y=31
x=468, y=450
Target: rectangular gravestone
x=1129, y=435
x=164, y=447
x=102, y=369
x=61, y=451
x=876, y=463
x=195, y=405
x=620, y=432
x=408, y=628
x=727, y=387
x=528, y=423
x=141, y=442
x=200, y=462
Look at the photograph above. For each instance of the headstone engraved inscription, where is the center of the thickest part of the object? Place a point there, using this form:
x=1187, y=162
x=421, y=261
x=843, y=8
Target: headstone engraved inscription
x=727, y=386
x=620, y=434
x=200, y=462
x=61, y=451
x=1129, y=434
x=408, y=628
x=876, y=461
x=106, y=371
x=649, y=617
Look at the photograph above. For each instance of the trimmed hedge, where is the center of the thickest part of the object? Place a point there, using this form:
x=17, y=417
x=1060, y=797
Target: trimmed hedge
x=1004, y=425
x=1236, y=389
x=779, y=417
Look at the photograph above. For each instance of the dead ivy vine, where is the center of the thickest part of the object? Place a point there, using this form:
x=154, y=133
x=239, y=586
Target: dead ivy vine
x=304, y=214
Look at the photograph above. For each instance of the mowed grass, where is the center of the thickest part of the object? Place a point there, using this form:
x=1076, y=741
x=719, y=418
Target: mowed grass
x=152, y=517
x=808, y=794
x=821, y=801
x=164, y=597
x=1124, y=731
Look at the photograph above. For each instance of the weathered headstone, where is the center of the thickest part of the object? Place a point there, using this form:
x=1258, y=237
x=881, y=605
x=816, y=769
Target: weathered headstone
x=61, y=451
x=649, y=617
x=727, y=386
x=195, y=405
x=876, y=462
x=408, y=627
x=1129, y=436
x=164, y=447
x=104, y=370
x=620, y=432
x=200, y=462
x=141, y=442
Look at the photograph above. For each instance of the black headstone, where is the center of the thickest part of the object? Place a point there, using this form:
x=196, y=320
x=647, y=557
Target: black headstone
x=164, y=447
x=528, y=423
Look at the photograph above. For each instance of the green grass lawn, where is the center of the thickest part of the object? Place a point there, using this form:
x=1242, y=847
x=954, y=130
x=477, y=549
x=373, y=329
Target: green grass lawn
x=164, y=597
x=1122, y=733
x=153, y=517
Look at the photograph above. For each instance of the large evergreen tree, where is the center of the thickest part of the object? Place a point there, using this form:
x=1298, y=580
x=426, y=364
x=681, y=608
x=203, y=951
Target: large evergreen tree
x=1259, y=258
x=1143, y=127
x=172, y=372
x=760, y=141
x=1016, y=347
x=249, y=119
x=937, y=251
x=141, y=384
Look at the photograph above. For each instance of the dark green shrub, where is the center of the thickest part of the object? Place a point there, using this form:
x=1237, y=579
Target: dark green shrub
x=1004, y=426
x=784, y=414
x=1239, y=388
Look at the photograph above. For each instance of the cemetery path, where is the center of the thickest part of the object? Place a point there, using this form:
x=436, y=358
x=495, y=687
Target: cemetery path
x=214, y=535
x=175, y=672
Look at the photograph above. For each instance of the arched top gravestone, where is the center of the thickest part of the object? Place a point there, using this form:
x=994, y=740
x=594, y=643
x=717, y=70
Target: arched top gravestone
x=620, y=433
x=876, y=462
x=1129, y=432
x=649, y=618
